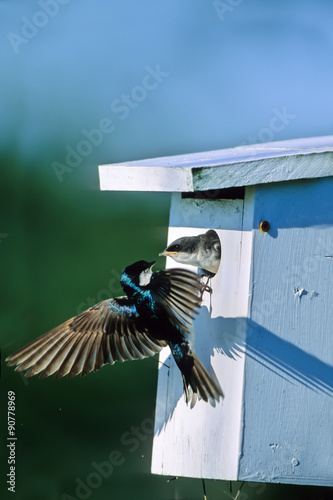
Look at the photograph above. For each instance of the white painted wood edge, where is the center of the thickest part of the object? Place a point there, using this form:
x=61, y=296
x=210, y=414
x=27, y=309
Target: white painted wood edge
x=136, y=178
x=205, y=441
x=240, y=166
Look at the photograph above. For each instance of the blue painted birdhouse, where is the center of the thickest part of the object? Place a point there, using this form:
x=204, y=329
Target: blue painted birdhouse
x=266, y=328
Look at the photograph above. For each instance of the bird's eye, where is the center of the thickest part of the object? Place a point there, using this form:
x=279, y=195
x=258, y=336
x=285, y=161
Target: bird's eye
x=176, y=247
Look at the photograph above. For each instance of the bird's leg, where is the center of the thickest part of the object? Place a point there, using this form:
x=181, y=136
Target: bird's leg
x=205, y=287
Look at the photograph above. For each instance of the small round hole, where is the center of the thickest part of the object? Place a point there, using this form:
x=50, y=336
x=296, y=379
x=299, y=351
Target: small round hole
x=264, y=226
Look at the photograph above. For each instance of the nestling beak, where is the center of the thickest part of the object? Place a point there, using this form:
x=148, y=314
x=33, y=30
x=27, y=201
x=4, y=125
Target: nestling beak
x=165, y=253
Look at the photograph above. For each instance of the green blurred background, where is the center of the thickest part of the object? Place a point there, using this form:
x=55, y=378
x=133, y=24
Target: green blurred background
x=228, y=66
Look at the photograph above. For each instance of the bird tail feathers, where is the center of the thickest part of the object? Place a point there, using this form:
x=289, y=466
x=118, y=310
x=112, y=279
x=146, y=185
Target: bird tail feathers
x=198, y=383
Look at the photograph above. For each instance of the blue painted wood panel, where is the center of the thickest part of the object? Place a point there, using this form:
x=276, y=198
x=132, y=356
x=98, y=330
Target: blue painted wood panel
x=288, y=391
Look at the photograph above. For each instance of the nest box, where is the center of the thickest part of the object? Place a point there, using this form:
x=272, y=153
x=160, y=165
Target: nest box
x=266, y=328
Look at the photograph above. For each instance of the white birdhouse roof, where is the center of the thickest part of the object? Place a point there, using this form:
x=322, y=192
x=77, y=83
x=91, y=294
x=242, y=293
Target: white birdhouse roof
x=225, y=168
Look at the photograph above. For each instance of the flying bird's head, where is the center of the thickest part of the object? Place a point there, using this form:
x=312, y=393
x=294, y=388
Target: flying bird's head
x=138, y=274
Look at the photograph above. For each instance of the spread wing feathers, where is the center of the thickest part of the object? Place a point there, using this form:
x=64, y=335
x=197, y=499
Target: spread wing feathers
x=179, y=292
x=108, y=332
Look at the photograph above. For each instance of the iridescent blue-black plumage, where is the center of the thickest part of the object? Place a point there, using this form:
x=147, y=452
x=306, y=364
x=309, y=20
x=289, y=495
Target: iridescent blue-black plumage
x=156, y=311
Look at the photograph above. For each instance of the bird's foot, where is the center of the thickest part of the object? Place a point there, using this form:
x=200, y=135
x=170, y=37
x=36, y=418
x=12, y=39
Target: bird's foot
x=206, y=288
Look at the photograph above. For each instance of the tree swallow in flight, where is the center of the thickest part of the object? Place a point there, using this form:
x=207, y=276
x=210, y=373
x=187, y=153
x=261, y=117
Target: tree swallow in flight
x=202, y=251
x=157, y=311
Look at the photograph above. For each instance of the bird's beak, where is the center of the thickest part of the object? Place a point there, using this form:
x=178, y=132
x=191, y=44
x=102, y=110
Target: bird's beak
x=165, y=253
x=151, y=264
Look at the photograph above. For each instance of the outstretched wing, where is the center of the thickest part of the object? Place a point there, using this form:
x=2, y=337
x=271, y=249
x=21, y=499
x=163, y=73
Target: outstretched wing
x=107, y=332
x=179, y=292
